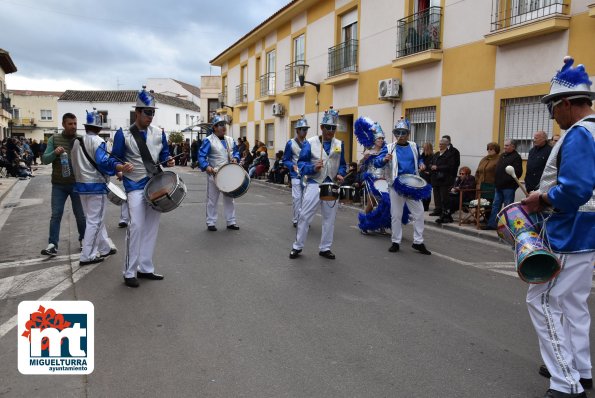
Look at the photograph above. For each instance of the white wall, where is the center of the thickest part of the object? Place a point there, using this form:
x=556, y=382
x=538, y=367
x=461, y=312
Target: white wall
x=424, y=81
x=167, y=85
x=470, y=128
x=299, y=22
x=465, y=21
x=319, y=39
x=283, y=57
x=578, y=6
x=345, y=95
x=378, y=32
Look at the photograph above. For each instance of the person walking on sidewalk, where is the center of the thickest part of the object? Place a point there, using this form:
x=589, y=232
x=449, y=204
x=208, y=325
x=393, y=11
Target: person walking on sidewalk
x=290, y=159
x=62, y=183
x=559, y=309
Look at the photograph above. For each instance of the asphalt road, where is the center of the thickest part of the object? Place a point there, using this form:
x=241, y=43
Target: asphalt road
x=235, y=317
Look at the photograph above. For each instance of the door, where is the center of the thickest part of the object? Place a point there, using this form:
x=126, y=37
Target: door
x=345, y=134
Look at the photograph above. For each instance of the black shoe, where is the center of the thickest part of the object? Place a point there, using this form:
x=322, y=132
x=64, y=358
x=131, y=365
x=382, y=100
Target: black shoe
x=586, y=383
x=110, y=253
x=439, y=220
x=436, y=213
x=447, y=220
x=294, y=253
x=394, y=248
x=234, y=227
x=149, y=275
x=420, y=247
x=92, y=261
x=122, y=225
x=327, y=254
x=50, y=250
x=131, y=282
x=211, y=228
x=558, y=394
x=295, y=225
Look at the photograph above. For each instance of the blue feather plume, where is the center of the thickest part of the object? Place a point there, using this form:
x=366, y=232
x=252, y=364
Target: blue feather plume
x=145, y=97
x=570, y=77
x=377, y=218
x=362, y=129
x=90, y=117
x=413, y=193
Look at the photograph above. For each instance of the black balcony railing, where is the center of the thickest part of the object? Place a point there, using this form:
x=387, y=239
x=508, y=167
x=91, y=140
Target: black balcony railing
x=242, y=93
x=5, y=102
x=419, y=32
x=507, y=13
x=291, y=76
x=342, y=58
x=267, y=84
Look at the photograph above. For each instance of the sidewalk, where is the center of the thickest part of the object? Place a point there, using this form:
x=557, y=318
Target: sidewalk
x=6, y=184
x=466, y=229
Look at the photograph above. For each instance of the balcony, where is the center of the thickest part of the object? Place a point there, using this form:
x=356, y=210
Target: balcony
x=292, y=83
x=342, y=63
x=267, y=87
x=516, y=20
x=5, y=102
x=222, y=101
x=418, y=38
x=591, y=8
x=242, y=95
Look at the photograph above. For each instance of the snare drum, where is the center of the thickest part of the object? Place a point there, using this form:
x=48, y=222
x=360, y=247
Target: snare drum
x=115, y=194
x=346, y=194
x=412, y=186
x=381, y=185
x=232, y=180
x=165, y=191
x=329, y=191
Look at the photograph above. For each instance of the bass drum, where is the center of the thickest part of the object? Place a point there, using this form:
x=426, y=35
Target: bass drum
x=232, y=180
x=165, y=191
x=115, y=194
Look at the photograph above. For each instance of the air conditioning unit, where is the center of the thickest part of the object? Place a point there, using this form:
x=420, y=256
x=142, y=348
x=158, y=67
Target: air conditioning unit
x=389, y=89
x=278, y=109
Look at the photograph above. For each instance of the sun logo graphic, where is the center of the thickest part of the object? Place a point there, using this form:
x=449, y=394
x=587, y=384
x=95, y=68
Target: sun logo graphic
x=56, y=337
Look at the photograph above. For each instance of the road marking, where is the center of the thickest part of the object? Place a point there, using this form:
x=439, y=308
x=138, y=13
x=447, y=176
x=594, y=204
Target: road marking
x=76, y=275
x=40, y=260
x=13, y=196
x=28, y=282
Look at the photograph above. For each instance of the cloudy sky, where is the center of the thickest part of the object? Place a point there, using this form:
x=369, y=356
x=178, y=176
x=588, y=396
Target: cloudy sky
x=118, y=44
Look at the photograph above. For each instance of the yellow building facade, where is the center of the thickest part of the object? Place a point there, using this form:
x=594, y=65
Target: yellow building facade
x=35, y=114
x=473, y=70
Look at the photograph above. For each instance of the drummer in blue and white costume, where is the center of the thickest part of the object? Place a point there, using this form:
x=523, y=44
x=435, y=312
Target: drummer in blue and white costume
x=290, y=160
x=329, y=168
x=216, y=151
x=559, y=309
x=403, y=157
x=141, y=235
x=91, y=185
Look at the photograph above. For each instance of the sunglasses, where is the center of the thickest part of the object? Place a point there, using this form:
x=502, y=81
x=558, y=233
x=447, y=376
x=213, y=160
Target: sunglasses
x=400, y=132
x=303, y=129
x=551, y=106
x=148, y=112
x=329, y=127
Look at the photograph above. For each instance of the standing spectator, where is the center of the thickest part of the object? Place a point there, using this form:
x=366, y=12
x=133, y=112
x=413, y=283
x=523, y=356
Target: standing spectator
x=194, y=153
x=241, y=144
x=35, y=150
x=442, y=179
x=536, y=161
x=62, y=185
x=555, y=138
x=457, y=156
x=486, y=170
x=278, y=171
x=426, y=157
x=505, y=185
x=559, y=310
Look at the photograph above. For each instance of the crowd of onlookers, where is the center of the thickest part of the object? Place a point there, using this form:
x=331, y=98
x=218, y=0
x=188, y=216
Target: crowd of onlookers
x=17, y=155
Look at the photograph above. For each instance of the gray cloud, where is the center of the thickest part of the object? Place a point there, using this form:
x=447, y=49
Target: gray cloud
x=100, y=43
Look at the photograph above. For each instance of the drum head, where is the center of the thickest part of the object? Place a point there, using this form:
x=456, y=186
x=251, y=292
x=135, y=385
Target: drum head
x=116, y=190
x=161, y=184
x=381, y=185
x=411, y=180
x=230, y=177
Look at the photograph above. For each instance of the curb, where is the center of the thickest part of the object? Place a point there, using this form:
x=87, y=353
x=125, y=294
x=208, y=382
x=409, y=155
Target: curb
x=430, y=223
x=6, y=185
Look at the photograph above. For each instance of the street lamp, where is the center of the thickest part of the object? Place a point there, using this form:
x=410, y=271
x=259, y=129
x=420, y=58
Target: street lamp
x=300, y=70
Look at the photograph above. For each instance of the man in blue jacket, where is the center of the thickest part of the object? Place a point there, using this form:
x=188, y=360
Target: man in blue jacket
x=290, y=160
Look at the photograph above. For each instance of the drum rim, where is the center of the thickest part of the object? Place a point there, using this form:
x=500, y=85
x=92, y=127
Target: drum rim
x=403, y=177
x=246, y=177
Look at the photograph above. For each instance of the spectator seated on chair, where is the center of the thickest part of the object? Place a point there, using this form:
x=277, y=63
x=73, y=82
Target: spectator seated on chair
x=279, y=171
x=259, y=166
x=465, y=186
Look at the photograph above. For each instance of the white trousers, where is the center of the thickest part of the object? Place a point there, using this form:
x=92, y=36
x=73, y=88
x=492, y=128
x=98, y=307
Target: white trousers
x=328, y=210
x=124, y=213
x=416, y=207
x=561, y=318
x=229, y=210
x=297, y=190
x=141, y=235
x=96, y=240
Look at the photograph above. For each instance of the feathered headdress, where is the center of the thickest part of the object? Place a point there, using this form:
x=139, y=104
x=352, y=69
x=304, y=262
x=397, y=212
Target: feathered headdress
x=145, y=99
x=363, y=130
x=570, y=82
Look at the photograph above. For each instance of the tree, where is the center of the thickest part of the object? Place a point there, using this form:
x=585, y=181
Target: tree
x=176, y=137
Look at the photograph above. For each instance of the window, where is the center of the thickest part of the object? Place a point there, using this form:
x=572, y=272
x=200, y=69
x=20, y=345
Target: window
x=243, y=131
x=16, y=113
x=46, y=114
x=104, y=119
x=270, y=135
x=177, y=118
x=271, y=61
x=299, y=55
x=520, y=118
x=423, y=124
x=506, y=13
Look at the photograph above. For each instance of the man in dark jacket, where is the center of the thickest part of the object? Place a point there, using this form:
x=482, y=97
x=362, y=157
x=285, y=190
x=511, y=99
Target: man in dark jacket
x=538, y=155
x=456, y=155
x=443, y=179
x=505, y=184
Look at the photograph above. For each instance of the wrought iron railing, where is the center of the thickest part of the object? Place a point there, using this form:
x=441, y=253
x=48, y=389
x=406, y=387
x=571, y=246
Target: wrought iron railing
x=267, y=84
x=291, y=75
x=223, y=97
x=419, y=32
x=508, y=13
x=242, y=93
x=342, y=58
x=5, y=102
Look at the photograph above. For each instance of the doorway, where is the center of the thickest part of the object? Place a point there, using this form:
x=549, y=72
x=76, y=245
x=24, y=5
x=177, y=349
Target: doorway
x=345, y=134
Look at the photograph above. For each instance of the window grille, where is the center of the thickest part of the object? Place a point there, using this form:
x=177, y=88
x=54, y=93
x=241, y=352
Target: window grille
x=423, y=124
x=270, y=135
x=520, y=118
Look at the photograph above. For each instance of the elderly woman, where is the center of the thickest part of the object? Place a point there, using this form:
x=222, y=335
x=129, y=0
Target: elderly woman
x=465, y=182
x=486, y=170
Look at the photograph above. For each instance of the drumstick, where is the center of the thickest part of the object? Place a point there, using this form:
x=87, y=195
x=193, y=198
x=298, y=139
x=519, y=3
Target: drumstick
x=510, y=171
